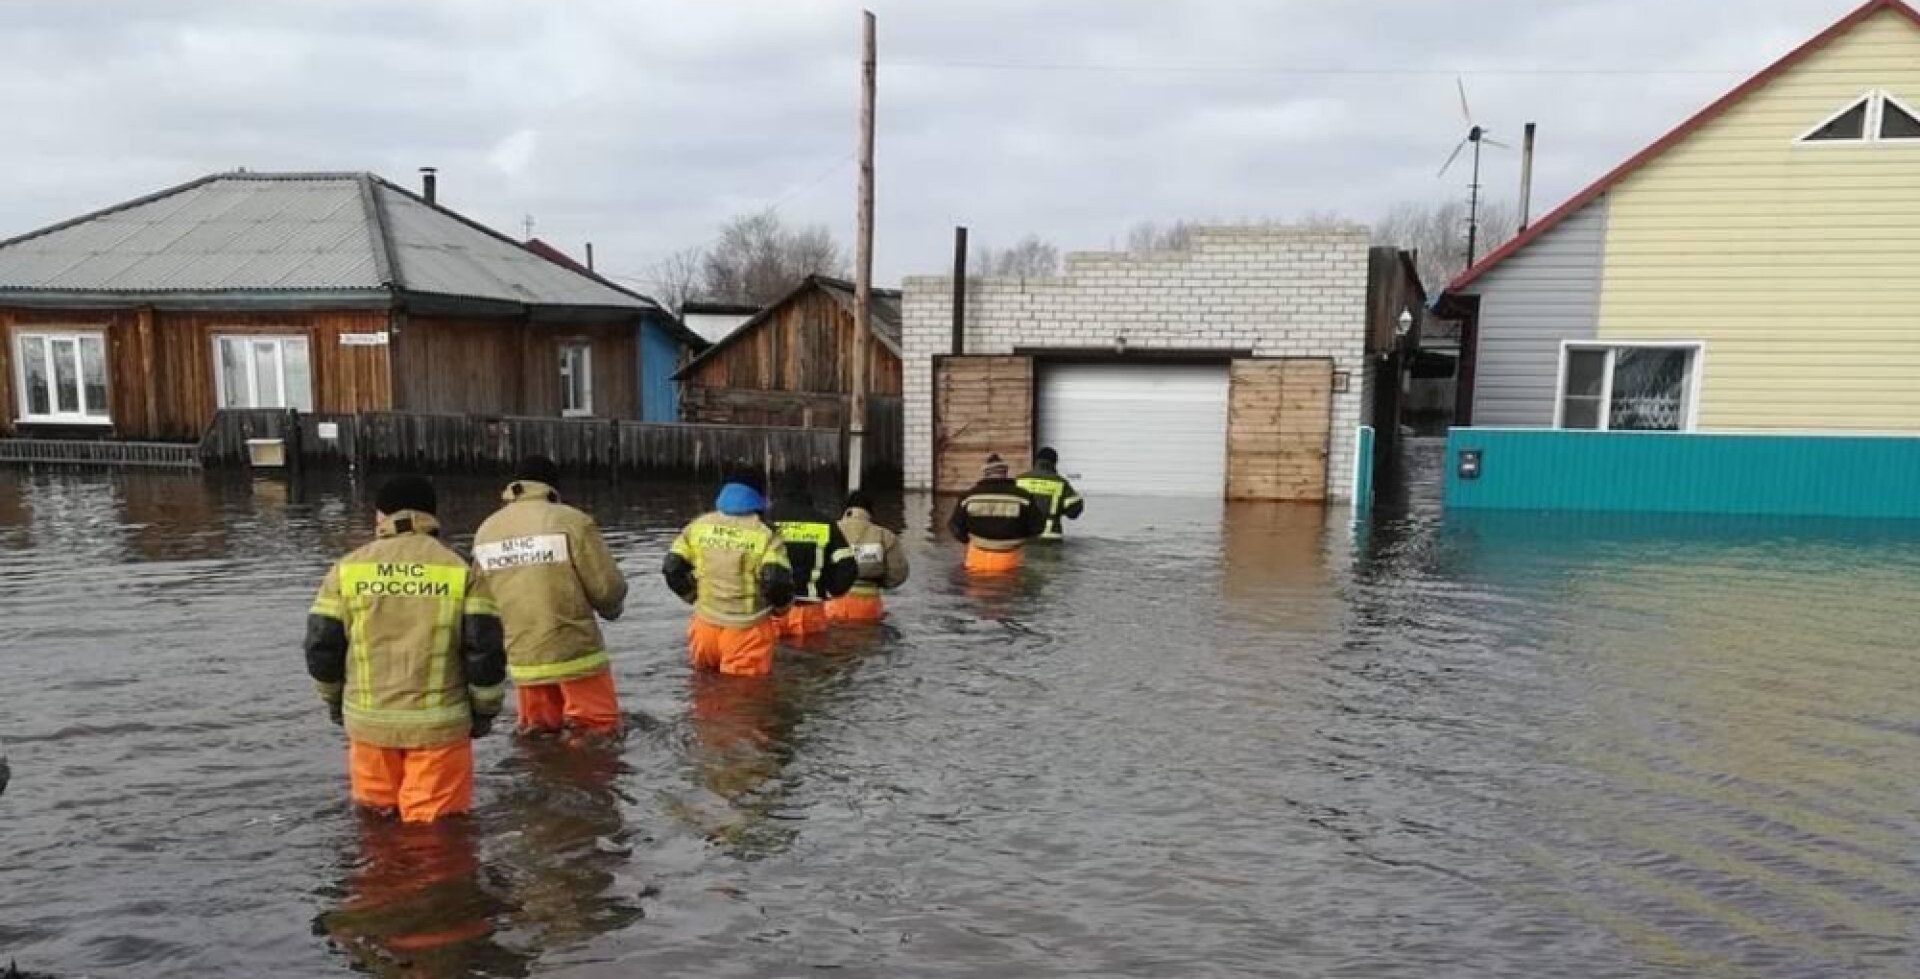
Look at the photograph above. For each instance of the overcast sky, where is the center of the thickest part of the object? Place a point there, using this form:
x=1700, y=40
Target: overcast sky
x=641, y=126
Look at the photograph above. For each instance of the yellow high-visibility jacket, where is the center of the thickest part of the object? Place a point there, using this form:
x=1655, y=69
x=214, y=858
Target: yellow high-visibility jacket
x=405, y=640
x=550, y=572
x=733, y=569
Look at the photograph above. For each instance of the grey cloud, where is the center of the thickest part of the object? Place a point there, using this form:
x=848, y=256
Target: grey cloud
x=641, y=126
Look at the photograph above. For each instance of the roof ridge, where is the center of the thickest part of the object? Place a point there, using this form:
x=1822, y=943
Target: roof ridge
x=385, y=263
x=483, y=229
x=112, y=209
x=1686, y=128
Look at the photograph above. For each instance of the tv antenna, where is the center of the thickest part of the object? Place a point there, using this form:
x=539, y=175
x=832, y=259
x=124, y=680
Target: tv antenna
x=1477, y=135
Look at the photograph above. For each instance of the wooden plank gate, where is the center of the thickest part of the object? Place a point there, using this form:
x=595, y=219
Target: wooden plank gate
x=1279, y=418
x=982, y=405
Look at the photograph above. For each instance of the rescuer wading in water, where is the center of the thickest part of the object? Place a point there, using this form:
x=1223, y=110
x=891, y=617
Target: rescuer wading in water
x=822, y=563
x=550, y=572
x=407, y=650
x=995, y=519
x=1057, y=498
x=881, y=561
x=732, y=567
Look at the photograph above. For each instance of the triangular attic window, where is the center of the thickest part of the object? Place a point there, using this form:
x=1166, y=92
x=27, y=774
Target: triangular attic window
x=1848, y=125
x=1896, y=122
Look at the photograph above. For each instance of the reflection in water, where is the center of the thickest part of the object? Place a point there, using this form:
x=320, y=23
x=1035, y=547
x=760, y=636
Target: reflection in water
x=416, y=906
x=742, y=737
x=1222, y=740
x=561, y=837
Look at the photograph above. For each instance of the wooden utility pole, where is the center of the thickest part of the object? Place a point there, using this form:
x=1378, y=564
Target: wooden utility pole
x=862, y=266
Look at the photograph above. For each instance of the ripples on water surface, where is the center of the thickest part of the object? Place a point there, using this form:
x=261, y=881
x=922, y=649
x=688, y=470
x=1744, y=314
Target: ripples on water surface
x=1194, y=742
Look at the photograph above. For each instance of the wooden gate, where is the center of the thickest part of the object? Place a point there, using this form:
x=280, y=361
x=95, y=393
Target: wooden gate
x=1279, y=416
x=981, y=406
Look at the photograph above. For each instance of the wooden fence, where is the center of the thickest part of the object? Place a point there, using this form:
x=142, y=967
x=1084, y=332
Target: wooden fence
x=391, y=440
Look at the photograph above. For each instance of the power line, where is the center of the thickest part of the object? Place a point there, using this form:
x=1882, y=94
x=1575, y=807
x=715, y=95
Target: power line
x=1331, y=70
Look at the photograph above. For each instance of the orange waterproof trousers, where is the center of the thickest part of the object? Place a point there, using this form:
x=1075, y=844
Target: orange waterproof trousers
x=802, y=619
x=982, y=561
x=856, y=610
x=588, y=704
x=741, y=651
x=422, y=784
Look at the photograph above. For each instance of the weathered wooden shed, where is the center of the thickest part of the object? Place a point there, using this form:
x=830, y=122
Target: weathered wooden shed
x=335, y=293
x=792, y=363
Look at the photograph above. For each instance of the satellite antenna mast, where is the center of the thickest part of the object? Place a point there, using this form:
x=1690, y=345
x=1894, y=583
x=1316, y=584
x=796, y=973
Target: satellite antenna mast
x=1477, y=135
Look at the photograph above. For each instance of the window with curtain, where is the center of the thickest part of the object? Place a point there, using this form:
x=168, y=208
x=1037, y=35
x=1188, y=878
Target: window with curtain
x=1628, y=387
x=263, y=372
x=62, y=377
x=576, y=380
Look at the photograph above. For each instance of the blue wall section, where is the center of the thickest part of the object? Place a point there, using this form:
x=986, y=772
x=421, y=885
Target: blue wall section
x=659, y=358
x=1660, y=472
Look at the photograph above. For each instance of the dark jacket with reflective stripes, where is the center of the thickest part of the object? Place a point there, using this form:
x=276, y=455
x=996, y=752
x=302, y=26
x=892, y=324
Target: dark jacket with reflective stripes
x=823, y=564
x=997, y=515
x=1057, y=499
x=406, y=640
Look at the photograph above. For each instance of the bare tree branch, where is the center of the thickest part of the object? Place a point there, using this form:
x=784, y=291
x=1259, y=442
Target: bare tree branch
x=757, y=259
x=1438, y=233
x=1030, y=257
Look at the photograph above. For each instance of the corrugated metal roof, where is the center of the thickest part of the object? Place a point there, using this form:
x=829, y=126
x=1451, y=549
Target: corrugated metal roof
x=230, y=232
x=236, y=233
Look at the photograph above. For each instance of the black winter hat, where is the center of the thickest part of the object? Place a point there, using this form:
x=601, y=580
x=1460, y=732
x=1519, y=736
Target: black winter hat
x=859, y=500
x=1047, y=456
x=538, y=469
x=406, y=493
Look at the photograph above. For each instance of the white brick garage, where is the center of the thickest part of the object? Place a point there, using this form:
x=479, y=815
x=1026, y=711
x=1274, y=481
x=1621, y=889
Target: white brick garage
x=1265, y=293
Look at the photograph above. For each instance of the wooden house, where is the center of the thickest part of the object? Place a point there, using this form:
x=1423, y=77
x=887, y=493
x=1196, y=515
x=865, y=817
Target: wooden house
x=336, y=293
x=1708, y=325
x=792, y=363
x=666, y=341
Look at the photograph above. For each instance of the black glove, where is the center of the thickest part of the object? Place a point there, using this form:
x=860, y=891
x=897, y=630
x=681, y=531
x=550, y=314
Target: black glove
x=482, y=724
x=333, y=714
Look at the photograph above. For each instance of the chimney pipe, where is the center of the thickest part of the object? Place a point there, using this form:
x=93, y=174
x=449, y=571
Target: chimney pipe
x=589, y=256
x=429, y=184
x=1526, y=178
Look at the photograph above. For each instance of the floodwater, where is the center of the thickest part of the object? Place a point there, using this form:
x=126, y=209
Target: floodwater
x=1197, y=741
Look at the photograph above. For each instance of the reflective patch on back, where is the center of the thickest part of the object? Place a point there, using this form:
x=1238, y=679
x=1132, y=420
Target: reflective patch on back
x=522, y=552
x=805, y=532
x=870, y=554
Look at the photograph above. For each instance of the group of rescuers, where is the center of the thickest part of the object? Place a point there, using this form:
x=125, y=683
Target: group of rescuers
x=411, y=644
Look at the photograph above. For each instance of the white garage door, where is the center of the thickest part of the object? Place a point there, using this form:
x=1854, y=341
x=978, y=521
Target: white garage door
x=1138, y=429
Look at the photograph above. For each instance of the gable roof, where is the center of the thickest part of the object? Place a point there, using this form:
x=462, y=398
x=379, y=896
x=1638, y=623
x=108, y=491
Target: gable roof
x=884, y=317
x=1685, y=129
x=285, y=236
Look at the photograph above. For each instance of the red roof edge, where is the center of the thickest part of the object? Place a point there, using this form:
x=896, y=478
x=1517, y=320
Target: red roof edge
x=1685, y=129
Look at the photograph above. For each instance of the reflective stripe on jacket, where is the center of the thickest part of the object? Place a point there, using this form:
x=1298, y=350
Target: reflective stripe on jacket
x=823, y=564
x=406, y=639
x=1057, y=499
x=728, y=555
x=877, y=552
x=550, y=571
x=997, y=515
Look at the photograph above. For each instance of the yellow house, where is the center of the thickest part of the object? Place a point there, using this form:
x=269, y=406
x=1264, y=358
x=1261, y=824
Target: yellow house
x=1751, y=271
x=1749, y=274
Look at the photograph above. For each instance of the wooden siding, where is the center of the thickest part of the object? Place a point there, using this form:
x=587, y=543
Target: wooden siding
x=804, y=345
x=981, y=406
x=1543, y=294
x=160, y=365
x=510, y=367
x=1791, y=262
x=1279, y=416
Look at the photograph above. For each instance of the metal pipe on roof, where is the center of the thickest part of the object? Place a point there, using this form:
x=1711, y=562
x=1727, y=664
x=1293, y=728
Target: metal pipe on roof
x=1526, y=178
x=589, y=256
x=430, y=184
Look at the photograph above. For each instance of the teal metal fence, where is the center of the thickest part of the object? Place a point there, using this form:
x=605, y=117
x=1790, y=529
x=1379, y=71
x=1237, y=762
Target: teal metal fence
x=1865, y=476
x=1363, y=466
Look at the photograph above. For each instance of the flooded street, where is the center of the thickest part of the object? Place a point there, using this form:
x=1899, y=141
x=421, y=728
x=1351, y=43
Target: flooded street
x=1197, y=741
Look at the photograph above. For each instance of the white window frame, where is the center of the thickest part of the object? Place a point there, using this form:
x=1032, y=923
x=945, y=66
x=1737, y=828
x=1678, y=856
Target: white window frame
x=1696, y=369
x=279, y=341
x=1876, y=100
x=584, y=410
x=54, y=416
